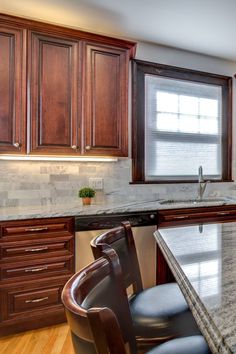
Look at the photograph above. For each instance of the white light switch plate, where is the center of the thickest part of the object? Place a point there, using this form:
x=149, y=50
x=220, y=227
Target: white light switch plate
x=96, y=183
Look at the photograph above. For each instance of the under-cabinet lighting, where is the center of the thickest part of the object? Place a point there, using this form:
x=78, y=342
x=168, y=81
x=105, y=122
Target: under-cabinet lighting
x=58, y=158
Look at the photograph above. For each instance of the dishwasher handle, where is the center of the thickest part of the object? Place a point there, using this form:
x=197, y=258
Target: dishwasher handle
x=99, y=222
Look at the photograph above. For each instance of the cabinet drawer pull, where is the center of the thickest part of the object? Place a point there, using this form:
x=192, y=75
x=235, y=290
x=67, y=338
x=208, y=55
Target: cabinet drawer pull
x=43, y=228
x=36, y=249
x=181, y=217
x=36, y=300
x=88, y=147
x=223, y=213
x=36, y=269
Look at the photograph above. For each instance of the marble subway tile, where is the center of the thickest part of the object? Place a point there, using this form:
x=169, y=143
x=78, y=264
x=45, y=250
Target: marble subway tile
x=85, y=170
x=58, y=193
x=12, y=202
x=6, y=186
x=54, y=169
x=29, y=202
x=66, y=200
x=55, y=178
x=28, y=194
x=3, y=195
x=29, y=185
x=49, y=182
x=45, y=201
x=75, y=178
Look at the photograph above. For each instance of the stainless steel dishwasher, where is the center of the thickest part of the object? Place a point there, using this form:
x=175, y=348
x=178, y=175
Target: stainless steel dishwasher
x=143, y=226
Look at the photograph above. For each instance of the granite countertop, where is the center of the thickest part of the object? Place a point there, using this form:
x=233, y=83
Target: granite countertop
x=203, y=261
x=76, y=209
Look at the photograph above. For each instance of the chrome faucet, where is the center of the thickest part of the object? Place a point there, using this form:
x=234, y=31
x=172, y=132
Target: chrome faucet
x=201, y=183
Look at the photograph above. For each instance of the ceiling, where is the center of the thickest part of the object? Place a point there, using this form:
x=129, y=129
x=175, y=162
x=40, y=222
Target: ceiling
x=203, y=26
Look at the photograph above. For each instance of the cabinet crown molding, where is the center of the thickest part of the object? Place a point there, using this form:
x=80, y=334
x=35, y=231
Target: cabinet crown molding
x=33, y=24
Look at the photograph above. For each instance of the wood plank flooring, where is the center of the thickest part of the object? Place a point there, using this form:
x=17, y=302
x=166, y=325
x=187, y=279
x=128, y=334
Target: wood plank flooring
x=49, y=340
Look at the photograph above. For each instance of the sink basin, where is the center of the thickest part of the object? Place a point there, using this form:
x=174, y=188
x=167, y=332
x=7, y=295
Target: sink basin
x=193, y=201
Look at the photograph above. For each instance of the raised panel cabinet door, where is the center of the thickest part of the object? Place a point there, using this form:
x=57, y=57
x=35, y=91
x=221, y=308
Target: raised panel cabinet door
x=12, y=89
x=106, y=100
x=54, y=99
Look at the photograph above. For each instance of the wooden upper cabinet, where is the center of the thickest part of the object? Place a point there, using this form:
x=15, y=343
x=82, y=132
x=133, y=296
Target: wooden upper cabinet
x=105, y=100
x=54, y=94
x=76, y=90
x=12, y=89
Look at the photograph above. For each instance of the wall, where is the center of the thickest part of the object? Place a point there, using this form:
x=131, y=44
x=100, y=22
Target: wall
x=43, y=183
x=31, y=183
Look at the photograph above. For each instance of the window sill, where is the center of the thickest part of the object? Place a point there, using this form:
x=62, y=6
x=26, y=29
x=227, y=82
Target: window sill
x=179, y=181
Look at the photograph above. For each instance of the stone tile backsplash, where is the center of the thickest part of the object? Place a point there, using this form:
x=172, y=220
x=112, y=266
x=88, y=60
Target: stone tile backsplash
x=42, y=183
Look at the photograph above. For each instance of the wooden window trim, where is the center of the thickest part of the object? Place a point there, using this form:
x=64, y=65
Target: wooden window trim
x=139, y=69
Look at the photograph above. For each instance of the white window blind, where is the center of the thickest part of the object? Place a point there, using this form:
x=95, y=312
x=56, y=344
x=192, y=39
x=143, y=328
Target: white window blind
x=182, y=129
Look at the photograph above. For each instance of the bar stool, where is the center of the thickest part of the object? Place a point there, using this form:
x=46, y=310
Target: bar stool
x=98, y=313
x=159, y=313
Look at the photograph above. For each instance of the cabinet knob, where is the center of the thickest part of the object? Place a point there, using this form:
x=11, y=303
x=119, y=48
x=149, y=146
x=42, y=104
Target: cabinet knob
x=74, y=147
x=17, y=145
x=88, y=147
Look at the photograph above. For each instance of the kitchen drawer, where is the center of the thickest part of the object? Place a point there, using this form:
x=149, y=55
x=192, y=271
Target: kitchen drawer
x=23, y=301
x=35, y=249
x=27, y=301
x=37, y=269
x=189, y=216
x=34, y=229
x=35, y=299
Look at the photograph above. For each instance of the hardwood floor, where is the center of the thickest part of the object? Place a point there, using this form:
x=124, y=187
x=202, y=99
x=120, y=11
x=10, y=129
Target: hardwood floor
x=49, y=340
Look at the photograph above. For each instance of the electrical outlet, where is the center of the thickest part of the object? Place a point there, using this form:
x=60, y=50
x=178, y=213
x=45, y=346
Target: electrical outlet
x=96, y=183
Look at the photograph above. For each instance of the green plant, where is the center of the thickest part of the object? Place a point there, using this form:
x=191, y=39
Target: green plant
x=86, y=192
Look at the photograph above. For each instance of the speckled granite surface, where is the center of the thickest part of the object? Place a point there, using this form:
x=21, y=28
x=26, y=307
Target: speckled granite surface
x=203, y=261
x=76, y=209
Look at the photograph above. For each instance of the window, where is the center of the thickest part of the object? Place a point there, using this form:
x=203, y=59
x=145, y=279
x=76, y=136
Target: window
x=181, y=120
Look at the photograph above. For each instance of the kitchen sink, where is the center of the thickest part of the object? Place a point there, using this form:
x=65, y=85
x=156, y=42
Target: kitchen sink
x=194, y=201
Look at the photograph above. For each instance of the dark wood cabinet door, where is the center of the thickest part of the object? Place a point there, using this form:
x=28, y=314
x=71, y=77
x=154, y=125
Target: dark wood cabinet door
x=54, y=94
x=105, y=96
x=12, y=89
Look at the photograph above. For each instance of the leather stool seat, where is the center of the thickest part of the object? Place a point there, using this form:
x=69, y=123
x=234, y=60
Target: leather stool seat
x=185, y=345
x=162, y=312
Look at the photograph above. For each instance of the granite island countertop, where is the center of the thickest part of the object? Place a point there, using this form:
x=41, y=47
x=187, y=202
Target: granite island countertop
x=77, y=209
x=203, y=261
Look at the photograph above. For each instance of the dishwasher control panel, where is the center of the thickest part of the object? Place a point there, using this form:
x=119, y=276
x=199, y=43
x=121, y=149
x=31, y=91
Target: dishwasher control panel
x=98, y=222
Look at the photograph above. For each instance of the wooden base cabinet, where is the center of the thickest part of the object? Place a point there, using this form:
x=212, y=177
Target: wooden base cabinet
x=36, y=260
x=26, y=306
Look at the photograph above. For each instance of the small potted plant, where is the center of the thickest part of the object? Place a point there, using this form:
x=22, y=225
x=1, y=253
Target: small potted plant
x=86, y=193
